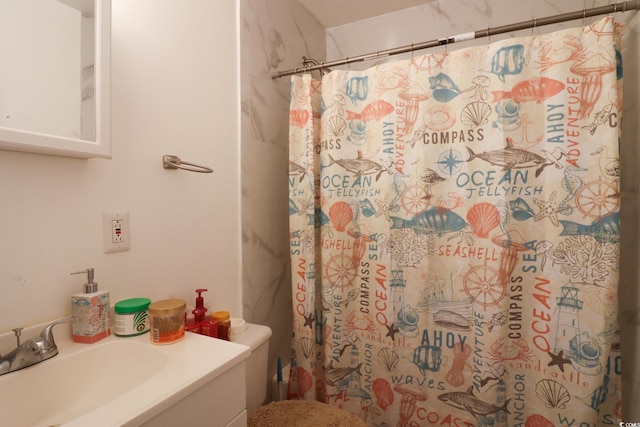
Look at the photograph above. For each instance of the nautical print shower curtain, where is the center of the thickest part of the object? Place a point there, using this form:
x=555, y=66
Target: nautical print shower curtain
x=454, y=234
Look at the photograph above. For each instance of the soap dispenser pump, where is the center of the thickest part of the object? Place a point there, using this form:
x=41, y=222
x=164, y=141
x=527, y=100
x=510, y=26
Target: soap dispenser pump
x=91, y=311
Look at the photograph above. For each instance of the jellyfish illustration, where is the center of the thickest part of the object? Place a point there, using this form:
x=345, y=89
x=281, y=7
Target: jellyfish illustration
x=483, y=217
x=340, y=214
x=413, y=95
x=592, y=70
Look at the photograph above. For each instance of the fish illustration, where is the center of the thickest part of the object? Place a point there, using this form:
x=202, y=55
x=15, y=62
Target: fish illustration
x=443, y=88
x=296, y=169
x=536, y=89
x=599, y=118
x=512, y=158
x=357, y=88
x=293, y=209
x=604, y=230
x=435, y=220
x=333, y=375
x=498, y=319
x=373, y=111
x=320, y=218
x=508, y=60
x=469, y=402
x=360, y=165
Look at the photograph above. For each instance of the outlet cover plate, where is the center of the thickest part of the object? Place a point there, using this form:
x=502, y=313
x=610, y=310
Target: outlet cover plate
x=116, y=235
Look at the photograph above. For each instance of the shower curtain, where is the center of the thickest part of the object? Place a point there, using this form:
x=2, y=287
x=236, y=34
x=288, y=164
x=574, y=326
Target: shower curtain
x=454, y=234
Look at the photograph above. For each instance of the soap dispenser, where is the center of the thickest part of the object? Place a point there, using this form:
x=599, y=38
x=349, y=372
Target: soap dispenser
x=200, y=310
x=91, y=312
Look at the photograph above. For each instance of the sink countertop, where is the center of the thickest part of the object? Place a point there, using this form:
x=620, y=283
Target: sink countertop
x=182, y=367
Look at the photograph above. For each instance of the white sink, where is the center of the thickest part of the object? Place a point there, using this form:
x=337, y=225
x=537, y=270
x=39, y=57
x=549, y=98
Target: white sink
x=128, y=382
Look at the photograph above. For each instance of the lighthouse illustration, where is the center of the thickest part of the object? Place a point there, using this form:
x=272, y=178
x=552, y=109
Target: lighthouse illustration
x=568, y=320
x=583, y=350
x=406, y=316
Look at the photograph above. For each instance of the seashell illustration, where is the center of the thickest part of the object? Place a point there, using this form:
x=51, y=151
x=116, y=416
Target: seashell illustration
x=475, y=114
x=388, y=358
x=554, y=394
x=483, y=217
x=383, y=392
x=306, y=346
x=537, y=420
x=520, y=209
x=305, y=382
x=340, y=214
x=336, y=125
x=367, y=208
x=450, y=319
x=298, y=117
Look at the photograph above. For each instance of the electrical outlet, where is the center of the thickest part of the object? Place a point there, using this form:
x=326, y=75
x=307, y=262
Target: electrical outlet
x=116, y=231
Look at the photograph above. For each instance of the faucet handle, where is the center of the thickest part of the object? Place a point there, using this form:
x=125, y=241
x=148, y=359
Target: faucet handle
x=47, y=332
x=17, y=332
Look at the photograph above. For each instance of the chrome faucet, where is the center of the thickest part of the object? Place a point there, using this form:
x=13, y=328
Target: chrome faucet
x=32, y=351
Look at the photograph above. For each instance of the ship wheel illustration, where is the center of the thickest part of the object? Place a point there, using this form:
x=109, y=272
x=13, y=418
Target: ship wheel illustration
x=414, y=199
x=597, y=198
x=339, y=270
x=483, y=286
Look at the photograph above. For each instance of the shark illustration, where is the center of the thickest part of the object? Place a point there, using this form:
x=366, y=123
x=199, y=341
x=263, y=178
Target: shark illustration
x=468, y=402
x=360, y=165
x=512, y=158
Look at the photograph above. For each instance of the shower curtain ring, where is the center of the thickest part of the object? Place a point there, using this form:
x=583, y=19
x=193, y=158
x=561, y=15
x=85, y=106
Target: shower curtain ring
x=584, y=16
x=535, y=23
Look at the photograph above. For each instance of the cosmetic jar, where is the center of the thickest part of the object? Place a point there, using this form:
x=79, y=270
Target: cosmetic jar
x=222, y=318
x=131, y=317
x=167, y=321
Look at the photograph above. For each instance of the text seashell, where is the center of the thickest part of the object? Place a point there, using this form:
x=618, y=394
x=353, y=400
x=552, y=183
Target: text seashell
x=537, y=420
x=383, y=392
x=388, y=358
x=554, y=394
x=483, y=217
x=340, y=214
x=475, y=114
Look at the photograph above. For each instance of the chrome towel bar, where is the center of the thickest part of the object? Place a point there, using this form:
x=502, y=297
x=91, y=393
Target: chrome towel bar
x=174, y=162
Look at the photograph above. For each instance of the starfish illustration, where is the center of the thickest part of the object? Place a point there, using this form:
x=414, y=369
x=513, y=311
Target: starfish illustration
x=308, y=320
x=548, y=209
x=383, y=209
x=558, y=359
x=392, y=330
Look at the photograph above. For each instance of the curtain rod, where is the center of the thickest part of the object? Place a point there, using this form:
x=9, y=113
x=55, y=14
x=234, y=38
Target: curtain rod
x=533, y=23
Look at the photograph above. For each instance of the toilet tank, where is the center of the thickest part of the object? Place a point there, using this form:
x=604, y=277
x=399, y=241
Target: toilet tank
x=256, y=337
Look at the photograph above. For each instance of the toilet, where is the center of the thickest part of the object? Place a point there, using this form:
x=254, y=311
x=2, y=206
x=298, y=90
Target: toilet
x=283, y=413
x=256, y=337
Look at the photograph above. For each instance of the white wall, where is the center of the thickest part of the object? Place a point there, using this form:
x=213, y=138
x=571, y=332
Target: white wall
x=174, y=91
x=451, y=17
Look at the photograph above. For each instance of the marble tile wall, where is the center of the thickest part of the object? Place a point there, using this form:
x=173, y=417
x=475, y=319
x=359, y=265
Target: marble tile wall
x=274, y=34
x=451, y=17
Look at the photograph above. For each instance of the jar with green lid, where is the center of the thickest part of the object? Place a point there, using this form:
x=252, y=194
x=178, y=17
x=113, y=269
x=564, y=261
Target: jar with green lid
x=167, y=321
x=131, y=317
